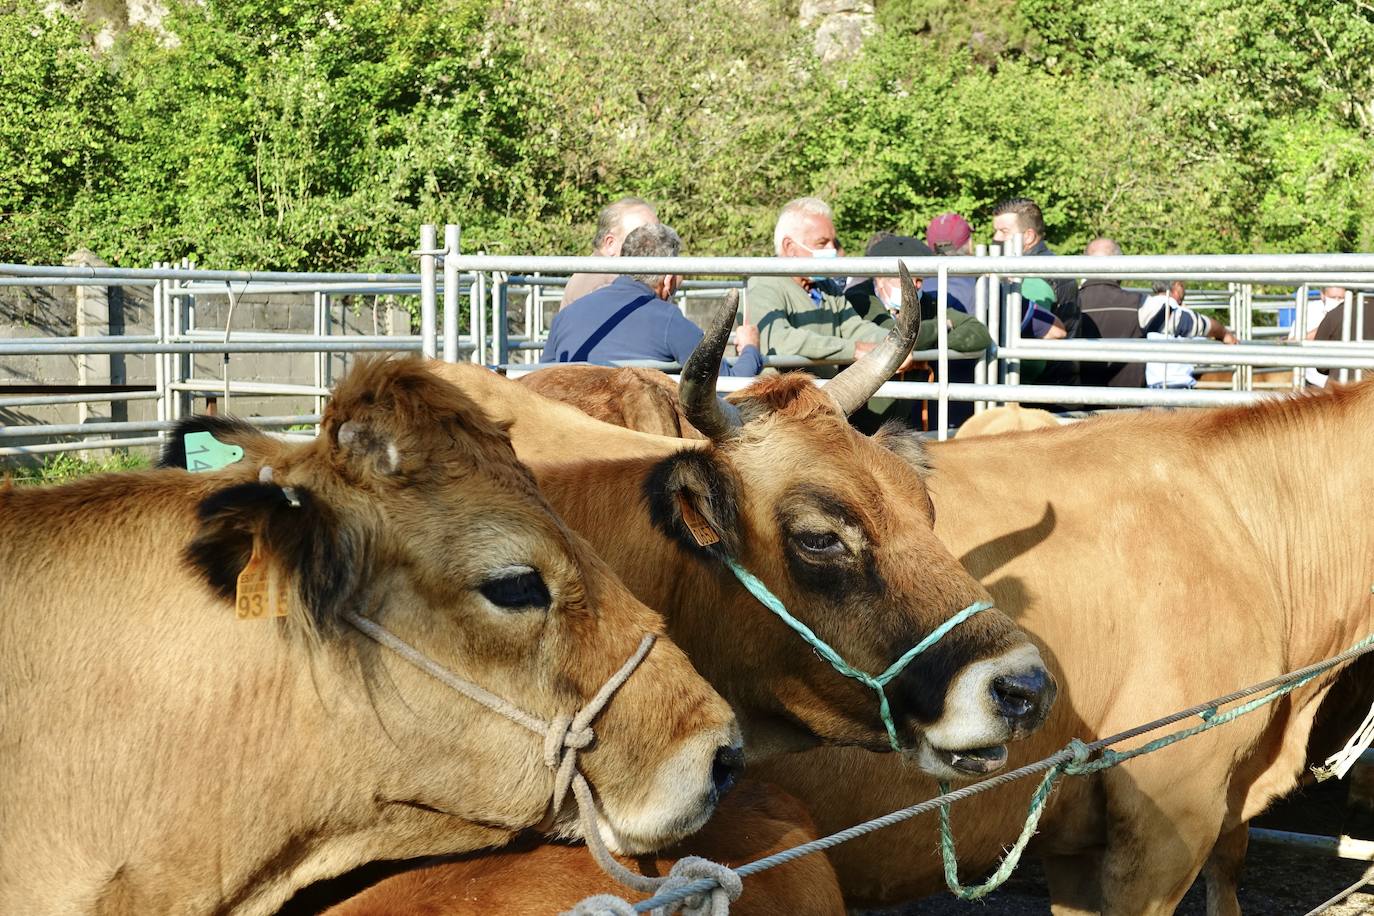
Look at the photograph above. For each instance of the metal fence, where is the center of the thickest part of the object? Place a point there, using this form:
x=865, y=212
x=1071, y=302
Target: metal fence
x=491, y=310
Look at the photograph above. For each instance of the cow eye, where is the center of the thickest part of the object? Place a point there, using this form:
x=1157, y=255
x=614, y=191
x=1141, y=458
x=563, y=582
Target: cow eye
x=819, y=544
x=517, y=589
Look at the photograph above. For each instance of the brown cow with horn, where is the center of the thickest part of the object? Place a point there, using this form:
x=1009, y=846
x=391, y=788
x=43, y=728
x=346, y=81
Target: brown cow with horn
x=160, y=755
x=1136, y=498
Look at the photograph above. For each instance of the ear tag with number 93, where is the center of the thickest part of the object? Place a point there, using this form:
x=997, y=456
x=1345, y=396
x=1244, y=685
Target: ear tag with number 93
x=261, y=590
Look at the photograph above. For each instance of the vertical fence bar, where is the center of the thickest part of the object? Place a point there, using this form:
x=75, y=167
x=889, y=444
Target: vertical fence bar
x=1299, y=331
x=160, y=359
x=452, y=238
x=1359, y=327
x=996, y=366
x=500, y=325
x=427, y=304
x=980, y=311
x=1014, y=306
x=318, y=322
x=479, y=318
x=942, y=360
x=1347, y=315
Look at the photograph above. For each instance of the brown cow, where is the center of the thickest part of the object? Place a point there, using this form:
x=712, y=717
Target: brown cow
x=635, y=398
x=754, y=820
x=834, y=522
x=1139, y=497
x=1096, y=553
x=162, y=756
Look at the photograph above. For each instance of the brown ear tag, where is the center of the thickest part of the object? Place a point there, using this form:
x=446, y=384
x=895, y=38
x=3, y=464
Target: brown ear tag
x=261, y=590
x=702, y=533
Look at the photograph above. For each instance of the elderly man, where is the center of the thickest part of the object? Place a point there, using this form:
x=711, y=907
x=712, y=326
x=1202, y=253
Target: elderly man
x=632, y=319
x=1111, y=312
x=613, y=225
x=808, y=316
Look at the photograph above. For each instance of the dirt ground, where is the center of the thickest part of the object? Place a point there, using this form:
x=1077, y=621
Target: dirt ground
x=1278, y=881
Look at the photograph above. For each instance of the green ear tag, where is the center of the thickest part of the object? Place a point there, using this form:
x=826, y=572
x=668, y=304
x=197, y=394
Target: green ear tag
x=206, y=453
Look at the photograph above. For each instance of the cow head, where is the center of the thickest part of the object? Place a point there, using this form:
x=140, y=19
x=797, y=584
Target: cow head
x=840, y=527
x=410, y=509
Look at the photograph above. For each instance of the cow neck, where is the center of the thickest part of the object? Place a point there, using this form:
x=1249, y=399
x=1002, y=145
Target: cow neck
x=1294, y=477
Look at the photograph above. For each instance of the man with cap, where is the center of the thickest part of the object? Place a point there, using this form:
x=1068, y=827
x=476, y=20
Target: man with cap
x=878, y=299
x=949, y=234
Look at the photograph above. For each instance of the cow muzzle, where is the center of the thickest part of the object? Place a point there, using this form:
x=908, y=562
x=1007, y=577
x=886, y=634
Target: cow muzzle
x=987, y=704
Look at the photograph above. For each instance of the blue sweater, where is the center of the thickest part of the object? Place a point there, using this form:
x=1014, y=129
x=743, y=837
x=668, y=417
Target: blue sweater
x=626, y=321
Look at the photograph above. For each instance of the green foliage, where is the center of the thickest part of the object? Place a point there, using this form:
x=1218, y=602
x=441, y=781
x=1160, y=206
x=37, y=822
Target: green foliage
x=312, y=134
x=64, y=466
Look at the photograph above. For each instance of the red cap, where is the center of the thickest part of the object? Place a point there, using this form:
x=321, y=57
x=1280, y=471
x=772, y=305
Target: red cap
x=948, y=229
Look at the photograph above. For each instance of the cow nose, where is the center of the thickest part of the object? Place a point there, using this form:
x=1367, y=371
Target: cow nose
x=725, y=769
x=1024, y=698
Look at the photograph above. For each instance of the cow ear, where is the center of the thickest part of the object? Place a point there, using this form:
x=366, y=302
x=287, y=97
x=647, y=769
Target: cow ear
x=202, y=443
x=694, y=500
x=323, y=558
x=368, y=447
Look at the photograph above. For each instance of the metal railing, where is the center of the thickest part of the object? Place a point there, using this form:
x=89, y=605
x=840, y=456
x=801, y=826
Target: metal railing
x=465, y=311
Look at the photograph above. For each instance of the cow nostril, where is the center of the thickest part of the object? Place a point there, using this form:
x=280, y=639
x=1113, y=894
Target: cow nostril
x=1021, y=696
x=725, y=769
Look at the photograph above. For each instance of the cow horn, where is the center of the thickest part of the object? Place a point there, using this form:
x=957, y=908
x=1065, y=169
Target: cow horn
x=852, y=388
x=697, y=390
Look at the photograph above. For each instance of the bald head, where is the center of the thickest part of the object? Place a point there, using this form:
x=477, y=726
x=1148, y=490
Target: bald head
x=1103, y=247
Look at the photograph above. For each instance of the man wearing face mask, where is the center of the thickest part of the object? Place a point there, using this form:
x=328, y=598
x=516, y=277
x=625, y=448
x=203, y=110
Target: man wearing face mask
x=632, y=319
x=880, y=299
x=808, y=316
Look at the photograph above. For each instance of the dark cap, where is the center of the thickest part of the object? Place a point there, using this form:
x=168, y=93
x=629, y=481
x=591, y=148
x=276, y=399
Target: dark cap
x=899, y=246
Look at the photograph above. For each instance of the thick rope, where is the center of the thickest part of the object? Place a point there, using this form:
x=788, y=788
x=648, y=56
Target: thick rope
x=774, y=604
x=1070, y=760
x=1343, y=896
x=563, y=737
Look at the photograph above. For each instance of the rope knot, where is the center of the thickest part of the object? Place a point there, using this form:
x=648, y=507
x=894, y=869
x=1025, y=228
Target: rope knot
x=562, y=736
x=1081, y=752
x=715, y=902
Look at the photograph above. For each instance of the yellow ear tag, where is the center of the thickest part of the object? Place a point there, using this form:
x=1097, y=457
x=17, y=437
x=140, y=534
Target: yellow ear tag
x=702, y=533
x=261, y=590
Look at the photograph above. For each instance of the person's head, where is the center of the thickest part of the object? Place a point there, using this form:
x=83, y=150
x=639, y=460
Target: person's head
x=887, y=245
x=950, y=234
x=805, y=227
x=1018, y=215
x=1333, y=296
x=616, y=221
x=1103, y=248
x=654, y=240
x=1177, y=290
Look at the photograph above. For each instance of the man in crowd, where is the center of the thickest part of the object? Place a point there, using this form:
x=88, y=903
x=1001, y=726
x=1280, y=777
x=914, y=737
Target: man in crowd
x=1021, y=216
x=632, y=319
x=950, y=235
x=613, y=225
x=1108, y=311
x=1332, y=327
x=808, y=316
x=879, y=299
x=1162, y=316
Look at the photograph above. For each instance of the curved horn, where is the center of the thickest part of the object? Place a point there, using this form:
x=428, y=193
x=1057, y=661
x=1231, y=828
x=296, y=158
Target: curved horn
x=852, y=388
x=697, y=390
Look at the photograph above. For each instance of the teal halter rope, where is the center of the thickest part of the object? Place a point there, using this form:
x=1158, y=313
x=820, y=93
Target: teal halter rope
x=774, y=604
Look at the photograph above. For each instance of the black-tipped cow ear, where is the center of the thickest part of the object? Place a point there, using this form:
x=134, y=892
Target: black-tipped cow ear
x=363, y=444
x=203, y=443
x=325, y=562
x=693, y=500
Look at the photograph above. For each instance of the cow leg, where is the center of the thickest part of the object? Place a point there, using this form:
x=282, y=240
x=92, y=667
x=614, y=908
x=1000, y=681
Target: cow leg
x=1075, y=883
x=1157, y=838
x=1223, y=871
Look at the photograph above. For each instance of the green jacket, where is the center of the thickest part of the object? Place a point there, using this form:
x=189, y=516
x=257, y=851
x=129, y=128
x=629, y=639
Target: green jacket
x=966, y=335
x=790, y=323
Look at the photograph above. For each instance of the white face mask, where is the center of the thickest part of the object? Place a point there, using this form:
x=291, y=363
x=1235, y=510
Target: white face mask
x=830, y=252
x=1329, y=304
x=891, y=299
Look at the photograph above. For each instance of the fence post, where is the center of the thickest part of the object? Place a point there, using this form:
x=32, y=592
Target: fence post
x=500, y=326
x=479, y=317
x=1012, y=368
x=942, y=359
x=983, y=314
x=452, y=238
x=427, y=304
